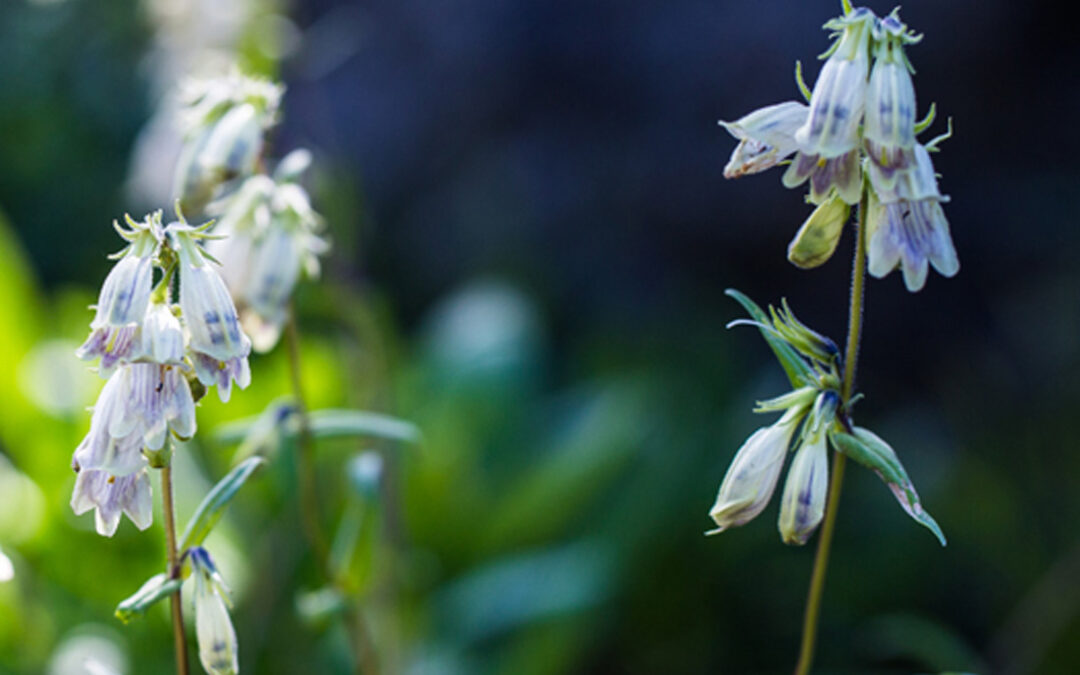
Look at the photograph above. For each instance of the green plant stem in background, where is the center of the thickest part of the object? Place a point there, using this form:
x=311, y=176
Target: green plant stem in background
x=851, y=357
x=363, y=648
x=174, y=570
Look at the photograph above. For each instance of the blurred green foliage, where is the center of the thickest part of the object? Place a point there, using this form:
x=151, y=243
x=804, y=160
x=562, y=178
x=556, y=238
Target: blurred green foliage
x=550, y=519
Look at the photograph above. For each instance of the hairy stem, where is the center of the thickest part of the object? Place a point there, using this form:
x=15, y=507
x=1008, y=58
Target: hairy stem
x=179, y=638
x=851, y=357
x=364, y=657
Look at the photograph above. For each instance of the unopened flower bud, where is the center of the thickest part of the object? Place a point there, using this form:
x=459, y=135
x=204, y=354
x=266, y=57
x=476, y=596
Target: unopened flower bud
x=816, y=240
x=803, y=503
x=218, y=648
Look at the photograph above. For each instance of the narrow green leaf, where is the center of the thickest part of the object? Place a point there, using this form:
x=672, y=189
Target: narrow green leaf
x=337, y=422
x=866, y=448
x=213, y=505
x=798, y=371
x=156, y=588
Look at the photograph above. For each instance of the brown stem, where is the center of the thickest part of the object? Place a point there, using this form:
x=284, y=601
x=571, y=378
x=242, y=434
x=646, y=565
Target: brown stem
x=179, y=639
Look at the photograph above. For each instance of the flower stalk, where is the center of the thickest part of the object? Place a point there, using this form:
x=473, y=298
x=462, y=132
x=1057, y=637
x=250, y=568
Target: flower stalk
x=177, y=610
x=836, y=480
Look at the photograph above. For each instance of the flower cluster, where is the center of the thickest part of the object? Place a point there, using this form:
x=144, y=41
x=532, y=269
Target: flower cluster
x=223, y=120
x=152, y=351
x=857, y=136
x=814, y=417
x=271, y=235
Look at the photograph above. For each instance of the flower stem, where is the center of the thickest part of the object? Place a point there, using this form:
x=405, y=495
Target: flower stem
x=851, y=357
x=364, y=656
x=179, y=638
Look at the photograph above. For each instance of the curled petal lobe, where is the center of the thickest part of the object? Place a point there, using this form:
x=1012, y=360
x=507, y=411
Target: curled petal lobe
x=842, y=173
x=113, y=496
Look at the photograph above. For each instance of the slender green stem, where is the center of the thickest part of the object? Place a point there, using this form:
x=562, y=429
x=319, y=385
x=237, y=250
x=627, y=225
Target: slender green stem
x=851, y=357
x=364, y=656
x=179, y=638
x=305, y=469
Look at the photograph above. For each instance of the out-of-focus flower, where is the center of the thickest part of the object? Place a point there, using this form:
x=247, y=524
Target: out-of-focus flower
x=270, y=236
x=224, y=120
x=218, y=647
x=111, y=496
x=7, y=570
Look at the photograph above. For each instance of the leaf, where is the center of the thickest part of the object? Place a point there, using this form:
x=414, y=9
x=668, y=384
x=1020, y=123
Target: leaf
x=157, y=587
x=798, y=371
x=213, y=505
x=337, y=422
x=866, y=448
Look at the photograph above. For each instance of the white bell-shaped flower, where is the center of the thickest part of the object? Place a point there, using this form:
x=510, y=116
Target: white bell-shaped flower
x=752, y=476
x=218, y=648
x=889, y=129
x=161, y=338
x=112, y=496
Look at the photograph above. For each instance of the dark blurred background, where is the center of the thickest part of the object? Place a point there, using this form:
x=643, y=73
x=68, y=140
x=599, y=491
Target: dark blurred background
x=527, y=200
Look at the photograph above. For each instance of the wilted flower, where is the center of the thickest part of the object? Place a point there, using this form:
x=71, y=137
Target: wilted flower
x=113, y=495
x=218, y=649
x=766, y=137
x=816, y=240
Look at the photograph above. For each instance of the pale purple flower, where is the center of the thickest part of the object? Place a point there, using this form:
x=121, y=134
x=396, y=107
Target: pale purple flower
x=906, y=226
x=828, y=139
x=112, y=496
x=889, y=129
x=217, y=346
x=121, y=307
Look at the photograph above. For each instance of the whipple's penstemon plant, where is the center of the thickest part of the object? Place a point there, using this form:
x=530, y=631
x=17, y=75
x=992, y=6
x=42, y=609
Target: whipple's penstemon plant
x=159, y=357
x=855, y=144
x=173, y=319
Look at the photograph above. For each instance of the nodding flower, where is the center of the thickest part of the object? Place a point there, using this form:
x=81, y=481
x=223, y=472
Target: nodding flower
x=906, y=226
x=752, y=476
x=802, y=504
x=766, y=138
x=121, y=307
x=218, y=648
x=216, y=345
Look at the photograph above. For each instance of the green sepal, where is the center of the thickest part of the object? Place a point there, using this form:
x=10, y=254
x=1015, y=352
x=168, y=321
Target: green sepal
x=213, y=505
x=868, y=449
x=798, y=370
x=157, y=587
